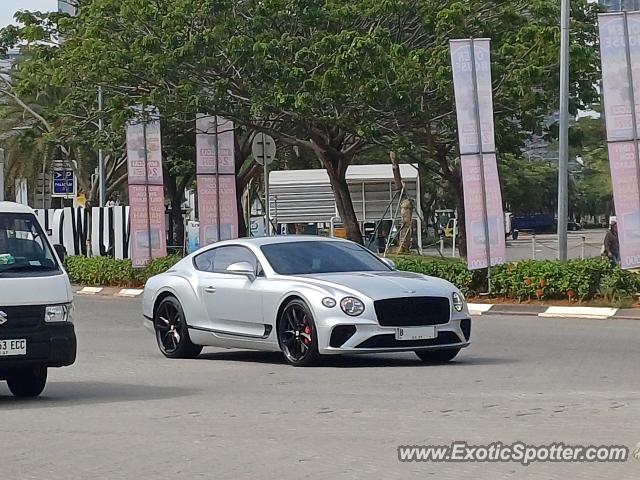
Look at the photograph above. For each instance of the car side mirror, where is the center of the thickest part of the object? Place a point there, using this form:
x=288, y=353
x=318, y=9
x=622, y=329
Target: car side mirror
x=60, y=251
x=242, y=268
x=389, y=263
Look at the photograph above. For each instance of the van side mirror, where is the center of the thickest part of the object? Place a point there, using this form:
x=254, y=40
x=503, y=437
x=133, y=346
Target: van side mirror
x=60, y=251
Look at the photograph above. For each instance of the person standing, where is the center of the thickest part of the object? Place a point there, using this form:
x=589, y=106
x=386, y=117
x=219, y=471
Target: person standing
x=612, y=244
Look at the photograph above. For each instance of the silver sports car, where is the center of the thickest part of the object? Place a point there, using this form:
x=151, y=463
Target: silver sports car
x=304, y=296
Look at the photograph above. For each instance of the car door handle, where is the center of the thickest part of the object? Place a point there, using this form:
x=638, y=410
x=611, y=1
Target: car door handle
x=210, y=290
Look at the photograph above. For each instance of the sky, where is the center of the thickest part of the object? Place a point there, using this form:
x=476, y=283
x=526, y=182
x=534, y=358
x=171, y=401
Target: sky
x=9, y=7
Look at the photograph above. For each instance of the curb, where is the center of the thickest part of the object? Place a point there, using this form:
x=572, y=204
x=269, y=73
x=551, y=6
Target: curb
x=546, y=311
x=108, y=291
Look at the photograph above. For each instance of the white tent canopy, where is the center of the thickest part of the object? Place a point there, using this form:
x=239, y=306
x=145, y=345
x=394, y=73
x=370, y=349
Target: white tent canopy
x=305, y=196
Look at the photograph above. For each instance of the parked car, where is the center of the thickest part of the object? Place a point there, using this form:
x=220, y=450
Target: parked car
x=574, y=226
x=36, y=303
x=304, y=296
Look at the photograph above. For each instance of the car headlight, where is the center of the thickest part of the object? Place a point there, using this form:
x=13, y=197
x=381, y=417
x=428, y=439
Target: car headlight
x=352, y=306
x=59, y=313
x=458, y=301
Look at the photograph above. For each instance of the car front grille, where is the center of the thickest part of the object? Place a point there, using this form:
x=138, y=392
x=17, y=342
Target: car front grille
x=412, y=311
x=389, y=341
x=19, y=317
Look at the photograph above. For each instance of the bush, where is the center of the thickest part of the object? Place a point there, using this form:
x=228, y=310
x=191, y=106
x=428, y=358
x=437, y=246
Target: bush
x=453, y=270
x=575, y=280
x=107, y=271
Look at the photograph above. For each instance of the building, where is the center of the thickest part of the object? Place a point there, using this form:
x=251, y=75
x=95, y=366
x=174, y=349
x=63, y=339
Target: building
x=620, y=5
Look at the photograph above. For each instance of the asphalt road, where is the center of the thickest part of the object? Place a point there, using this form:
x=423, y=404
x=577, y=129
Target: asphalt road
x=125, y=412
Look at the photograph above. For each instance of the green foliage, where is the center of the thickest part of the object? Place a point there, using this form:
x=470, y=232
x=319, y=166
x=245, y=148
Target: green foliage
x=107, y=271
x=575, y=280
x=454, y=271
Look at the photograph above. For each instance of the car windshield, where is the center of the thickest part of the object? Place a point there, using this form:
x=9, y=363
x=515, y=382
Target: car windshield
x=300, y=258
x=23, y=247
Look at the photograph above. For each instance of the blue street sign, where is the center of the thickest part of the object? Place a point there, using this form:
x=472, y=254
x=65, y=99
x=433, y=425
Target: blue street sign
x=64, y=183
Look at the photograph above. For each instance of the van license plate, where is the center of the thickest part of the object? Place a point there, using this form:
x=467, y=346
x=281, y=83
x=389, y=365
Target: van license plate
x=415, y=333
x=9, y=348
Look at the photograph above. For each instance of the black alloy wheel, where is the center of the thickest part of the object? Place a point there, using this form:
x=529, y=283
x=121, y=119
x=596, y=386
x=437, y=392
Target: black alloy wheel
x=297, y=335
x=172, y=334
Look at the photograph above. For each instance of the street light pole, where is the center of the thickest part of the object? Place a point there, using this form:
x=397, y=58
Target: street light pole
x=563, y=157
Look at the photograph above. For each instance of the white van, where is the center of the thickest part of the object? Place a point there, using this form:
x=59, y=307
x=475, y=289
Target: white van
x=36, y=303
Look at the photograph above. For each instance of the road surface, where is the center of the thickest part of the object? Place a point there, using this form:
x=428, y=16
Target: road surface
x=125, y=412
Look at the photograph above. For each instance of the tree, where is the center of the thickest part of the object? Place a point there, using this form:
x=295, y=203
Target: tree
x=333, y=78
x=40, y=131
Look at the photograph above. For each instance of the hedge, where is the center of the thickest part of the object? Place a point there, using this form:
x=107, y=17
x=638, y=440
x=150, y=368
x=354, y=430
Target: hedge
x=107, y=271
x=575, y=280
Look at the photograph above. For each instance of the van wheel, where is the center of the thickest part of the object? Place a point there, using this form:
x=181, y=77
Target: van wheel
x=28, y=382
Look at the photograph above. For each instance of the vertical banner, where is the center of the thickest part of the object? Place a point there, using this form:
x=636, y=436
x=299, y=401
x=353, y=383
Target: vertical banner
x=484, y=217
x=216, y=179
x=146, y=190
x=620, y=57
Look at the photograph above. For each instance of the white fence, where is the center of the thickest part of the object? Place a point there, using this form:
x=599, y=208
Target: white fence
x=70, y=227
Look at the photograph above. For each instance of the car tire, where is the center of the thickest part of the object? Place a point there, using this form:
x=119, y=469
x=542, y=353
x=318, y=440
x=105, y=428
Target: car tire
x=437, y=356
x=28, y=382
x=298, y=335
x=172, y=333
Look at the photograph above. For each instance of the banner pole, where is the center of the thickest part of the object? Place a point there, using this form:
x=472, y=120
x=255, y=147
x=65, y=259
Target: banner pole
x=215, y=131
x=146, y=178
x=485, y=215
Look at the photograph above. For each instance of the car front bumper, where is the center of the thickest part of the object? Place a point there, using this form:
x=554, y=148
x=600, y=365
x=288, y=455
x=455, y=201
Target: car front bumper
x=370, y=337
x=50, y=345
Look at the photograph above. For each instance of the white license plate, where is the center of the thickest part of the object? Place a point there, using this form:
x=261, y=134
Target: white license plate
x=415, y=333
x=9, y=348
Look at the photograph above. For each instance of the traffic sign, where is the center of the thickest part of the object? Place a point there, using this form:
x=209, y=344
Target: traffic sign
x=64, y=183
x=263, y=147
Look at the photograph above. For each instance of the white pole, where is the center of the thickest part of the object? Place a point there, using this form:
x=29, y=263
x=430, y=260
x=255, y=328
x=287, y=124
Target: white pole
x=533, y=246
x=455, y=231
x=101, y=180
x=266, y=187
x=563, y=159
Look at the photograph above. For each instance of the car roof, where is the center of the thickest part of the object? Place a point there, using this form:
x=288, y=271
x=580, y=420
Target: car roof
x=11, y=207
x=279, y=239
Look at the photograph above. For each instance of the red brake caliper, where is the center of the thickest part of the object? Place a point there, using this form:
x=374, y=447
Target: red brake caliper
x=307, y=330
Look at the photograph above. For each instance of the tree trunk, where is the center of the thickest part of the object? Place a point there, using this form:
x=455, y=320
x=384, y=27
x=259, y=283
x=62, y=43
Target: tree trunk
x=405, y=234
x=175, y=215
x=242, y=219
x=395, y=167
x=337, y=170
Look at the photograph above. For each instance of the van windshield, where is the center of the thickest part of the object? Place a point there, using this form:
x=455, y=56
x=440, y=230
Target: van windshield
x=23, y=246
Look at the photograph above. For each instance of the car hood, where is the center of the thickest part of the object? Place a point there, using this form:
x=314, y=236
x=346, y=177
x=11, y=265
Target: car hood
x=380, y=285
